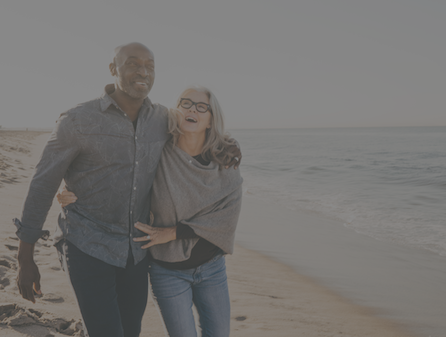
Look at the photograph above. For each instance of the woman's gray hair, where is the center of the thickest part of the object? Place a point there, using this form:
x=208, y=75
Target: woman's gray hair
x=217, y=142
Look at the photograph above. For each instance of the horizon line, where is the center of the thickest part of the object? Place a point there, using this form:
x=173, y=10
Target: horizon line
x=50, y=128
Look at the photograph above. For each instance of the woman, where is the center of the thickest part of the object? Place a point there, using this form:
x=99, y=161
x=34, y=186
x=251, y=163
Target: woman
x=195, y=205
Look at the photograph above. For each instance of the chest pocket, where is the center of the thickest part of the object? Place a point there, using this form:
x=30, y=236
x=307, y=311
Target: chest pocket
x=105, y=145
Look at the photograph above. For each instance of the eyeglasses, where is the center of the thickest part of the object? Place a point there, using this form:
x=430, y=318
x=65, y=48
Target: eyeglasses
x=186, y=103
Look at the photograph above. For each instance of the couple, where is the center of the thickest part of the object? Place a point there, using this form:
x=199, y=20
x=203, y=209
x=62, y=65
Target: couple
x=108, y=150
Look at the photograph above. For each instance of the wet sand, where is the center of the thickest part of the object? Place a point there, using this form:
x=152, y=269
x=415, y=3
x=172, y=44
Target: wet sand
x=401, y=283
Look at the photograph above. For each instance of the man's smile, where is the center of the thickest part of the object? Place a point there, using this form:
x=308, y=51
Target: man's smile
x=143, y=84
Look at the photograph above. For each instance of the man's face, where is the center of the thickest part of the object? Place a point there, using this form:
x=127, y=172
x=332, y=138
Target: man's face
x=134, y=68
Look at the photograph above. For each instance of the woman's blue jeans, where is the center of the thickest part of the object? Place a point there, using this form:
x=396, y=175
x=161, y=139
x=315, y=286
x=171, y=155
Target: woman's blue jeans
x=206, y=286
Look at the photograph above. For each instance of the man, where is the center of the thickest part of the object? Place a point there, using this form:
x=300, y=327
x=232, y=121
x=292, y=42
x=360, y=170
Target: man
x=107, y=151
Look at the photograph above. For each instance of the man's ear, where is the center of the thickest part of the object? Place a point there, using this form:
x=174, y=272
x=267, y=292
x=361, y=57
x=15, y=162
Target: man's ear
x=112, y=68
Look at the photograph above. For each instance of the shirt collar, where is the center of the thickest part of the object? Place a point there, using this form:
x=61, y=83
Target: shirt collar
x=106, y=100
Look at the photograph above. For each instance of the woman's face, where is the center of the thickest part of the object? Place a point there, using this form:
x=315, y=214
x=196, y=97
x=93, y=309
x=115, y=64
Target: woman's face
x=194, y=121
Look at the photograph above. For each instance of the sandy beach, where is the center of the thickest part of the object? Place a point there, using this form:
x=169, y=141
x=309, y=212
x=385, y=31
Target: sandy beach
x=267, y=297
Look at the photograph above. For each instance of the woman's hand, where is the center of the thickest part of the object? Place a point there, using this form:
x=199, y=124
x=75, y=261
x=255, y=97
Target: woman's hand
x=65, y=197
x=156, y=235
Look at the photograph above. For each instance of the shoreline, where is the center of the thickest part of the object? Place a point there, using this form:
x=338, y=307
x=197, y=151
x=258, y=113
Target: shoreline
x=403, y=284
x=267, y=297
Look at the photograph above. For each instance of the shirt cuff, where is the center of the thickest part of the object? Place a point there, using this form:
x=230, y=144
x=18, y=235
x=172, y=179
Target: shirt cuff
x=30, y=235
x=185, y=232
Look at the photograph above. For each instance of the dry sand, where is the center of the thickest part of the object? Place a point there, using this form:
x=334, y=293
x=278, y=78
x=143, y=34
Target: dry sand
x=267, y=298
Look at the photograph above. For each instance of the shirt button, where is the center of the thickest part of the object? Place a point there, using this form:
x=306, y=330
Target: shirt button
x=190, y=161
x=131, y=212
x=125, y=115
x=136, y=137
x=134, y=188
x=136, y=163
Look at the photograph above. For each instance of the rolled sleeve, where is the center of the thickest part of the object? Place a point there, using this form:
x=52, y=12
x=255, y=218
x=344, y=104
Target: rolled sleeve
x=30, y=235
x=58, y=154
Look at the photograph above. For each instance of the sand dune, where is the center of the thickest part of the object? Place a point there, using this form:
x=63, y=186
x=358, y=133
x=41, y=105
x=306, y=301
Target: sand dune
x=267, y=298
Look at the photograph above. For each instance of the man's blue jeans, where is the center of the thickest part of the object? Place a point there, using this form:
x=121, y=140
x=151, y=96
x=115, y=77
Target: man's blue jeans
x=206, y=286
x=112, y=300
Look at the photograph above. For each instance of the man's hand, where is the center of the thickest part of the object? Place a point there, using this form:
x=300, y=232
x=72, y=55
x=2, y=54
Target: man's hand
x=236, y=157
x=28, y=278
x=156, y=235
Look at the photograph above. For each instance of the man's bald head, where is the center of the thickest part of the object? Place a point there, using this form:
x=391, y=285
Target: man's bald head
x=119, y=51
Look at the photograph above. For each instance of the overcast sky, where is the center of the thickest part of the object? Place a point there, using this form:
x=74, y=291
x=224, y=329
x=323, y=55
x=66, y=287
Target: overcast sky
x=271, y=64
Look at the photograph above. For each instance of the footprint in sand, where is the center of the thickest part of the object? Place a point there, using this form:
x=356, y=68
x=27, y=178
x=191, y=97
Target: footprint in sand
x=7, y=268
x=49, y=297
x=4, y=279
x=10, y=247
x=8, y=261
x=22, y=318
x=7, y=264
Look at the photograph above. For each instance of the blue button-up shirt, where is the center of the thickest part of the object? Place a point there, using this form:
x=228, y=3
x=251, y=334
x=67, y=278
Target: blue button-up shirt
x=109, y=166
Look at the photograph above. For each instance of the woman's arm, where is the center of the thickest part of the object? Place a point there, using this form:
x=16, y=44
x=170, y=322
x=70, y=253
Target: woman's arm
x=156, y=235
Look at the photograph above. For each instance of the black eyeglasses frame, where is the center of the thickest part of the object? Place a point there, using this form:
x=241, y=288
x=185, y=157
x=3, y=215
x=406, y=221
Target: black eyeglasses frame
x=196, y=106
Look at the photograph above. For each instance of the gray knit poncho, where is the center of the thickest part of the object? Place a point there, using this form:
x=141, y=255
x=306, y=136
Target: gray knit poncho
x=203, y=197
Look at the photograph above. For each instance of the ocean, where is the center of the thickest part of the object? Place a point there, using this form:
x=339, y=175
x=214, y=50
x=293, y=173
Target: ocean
x=387, y=183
